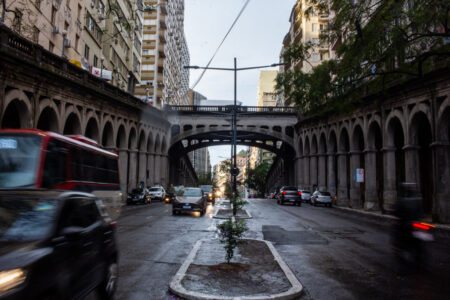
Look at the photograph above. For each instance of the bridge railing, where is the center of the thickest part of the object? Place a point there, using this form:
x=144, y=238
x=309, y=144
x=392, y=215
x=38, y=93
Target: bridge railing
x=228, y=108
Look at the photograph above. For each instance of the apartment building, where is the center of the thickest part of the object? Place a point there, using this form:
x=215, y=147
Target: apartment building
x=164, y=52
x=89, y=33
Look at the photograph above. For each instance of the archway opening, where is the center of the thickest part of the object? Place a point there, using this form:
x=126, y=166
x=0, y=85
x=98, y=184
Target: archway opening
x=73, y=125
x=344, y=148
x=108, y=136
x=16, y=115
x=358, y=140
x=92, y=130
x=332, y=148
x=48, y=120
x=323, y=162
x=397, y=140
x=375, y=141
x=422, y=137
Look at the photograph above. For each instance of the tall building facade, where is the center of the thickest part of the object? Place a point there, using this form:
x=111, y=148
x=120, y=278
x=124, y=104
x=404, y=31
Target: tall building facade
x=164, y=52
x=101, y=36
x=201, y=162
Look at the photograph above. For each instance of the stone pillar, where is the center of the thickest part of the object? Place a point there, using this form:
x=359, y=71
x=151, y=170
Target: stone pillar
x=342, y=179
x=441, y=159
x=306, y=179
x=390, y=185
x=355, y=187
x=370, y=177
x=132, y=169
x=300, y=172
x=164, y=171
x=123, y=171
x=322, y=178
x=142, y=167
x=147, y=170
x=151, y=169
x=331, y=175
x=157, y=169
x=313, y=171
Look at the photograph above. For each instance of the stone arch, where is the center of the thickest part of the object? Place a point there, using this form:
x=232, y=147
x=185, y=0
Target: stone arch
x=332, y=178
x=121, y=139
x=142, y=157
x=443, y=128
x=92, y=130
x=163, y=145
x=157, y=145
x=142, y=141
x=419, y=108
x=395, y=118
x=300, y=146
x=150, y=142
x=187, y=127
x=419, y=157
x=72, y=124
x=322, y=162
x=313, y=163
x=132, y=138
x=48, y=120
x=375, y=167
x=132, y=158
x=357, y=161
x=306, y=163
x=17, y=110
x=108, y=135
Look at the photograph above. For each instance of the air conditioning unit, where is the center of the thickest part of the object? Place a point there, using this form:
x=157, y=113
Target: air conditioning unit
x=66, y=43
x=55, y=30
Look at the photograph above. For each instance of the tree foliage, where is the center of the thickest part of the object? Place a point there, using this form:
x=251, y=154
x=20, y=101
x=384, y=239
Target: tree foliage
x=256, y=178
x=230, y=233
x=376, y=42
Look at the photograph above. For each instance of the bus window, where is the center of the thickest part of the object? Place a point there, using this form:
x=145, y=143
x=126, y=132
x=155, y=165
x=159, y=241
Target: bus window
x=55, y=165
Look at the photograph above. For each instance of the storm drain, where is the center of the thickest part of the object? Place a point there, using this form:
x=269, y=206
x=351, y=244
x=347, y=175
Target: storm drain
x=280, y=236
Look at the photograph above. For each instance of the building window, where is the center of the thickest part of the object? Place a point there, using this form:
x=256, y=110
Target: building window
x=315, y=57
x=51, y=46
x=66, y=26
x=93, y=28
x=101, y=8
x=77, y=41
x=323, y=27
x=53, y=17
x=95, y=61
x=36, y=34
x=86, y=52
x=314, y=27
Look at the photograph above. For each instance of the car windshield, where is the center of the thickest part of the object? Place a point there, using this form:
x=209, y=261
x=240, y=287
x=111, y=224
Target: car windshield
x=325, y=193
x=19, y=158
x=192, y=192
x=26, y=219
x=136, y=191
x=289, y=188
x=206, y=188
x=155, y=190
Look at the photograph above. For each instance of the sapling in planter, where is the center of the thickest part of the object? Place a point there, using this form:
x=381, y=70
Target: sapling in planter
x=230, y=233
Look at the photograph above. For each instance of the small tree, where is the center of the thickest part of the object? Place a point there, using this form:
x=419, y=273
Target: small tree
x=257, y=177
x=230, y=233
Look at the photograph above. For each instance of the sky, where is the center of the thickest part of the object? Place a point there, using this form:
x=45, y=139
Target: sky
x=255, y=40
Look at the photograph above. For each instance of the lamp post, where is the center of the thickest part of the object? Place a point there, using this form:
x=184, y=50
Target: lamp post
x=102, y=58
x=234, y=170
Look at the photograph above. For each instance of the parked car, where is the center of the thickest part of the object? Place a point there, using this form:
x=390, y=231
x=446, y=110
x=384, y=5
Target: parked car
x=289, y=194
x=192, y=199
x=56, y=245
x=157, y=193
x=321, y=198
x=305, y=195
x=138, y=196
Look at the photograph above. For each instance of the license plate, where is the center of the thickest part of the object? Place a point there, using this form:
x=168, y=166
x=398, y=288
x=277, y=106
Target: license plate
x=186, y=206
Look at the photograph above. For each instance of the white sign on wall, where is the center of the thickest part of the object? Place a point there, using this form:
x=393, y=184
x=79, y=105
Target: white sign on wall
x=359, y=175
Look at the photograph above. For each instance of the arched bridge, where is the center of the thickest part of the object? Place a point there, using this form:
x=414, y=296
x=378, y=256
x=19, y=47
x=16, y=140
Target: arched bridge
x=269, y=128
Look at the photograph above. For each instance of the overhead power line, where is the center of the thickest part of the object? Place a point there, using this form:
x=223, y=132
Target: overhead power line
x=221, y=43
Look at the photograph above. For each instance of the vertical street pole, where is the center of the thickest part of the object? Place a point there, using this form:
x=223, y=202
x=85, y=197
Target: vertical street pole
x=234, y=125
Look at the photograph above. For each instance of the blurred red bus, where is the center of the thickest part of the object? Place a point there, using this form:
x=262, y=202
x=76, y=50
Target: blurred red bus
x=35, y=159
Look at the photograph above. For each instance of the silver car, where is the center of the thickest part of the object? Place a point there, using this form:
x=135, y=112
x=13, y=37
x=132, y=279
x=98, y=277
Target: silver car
x=323, y=198
x=157, y=192
x=306, y=195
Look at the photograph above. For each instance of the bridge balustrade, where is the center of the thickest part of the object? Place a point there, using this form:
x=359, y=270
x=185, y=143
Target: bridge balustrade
x=229, y=108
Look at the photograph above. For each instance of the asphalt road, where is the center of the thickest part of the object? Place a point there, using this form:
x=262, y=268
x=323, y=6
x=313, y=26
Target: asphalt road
x=333, y=254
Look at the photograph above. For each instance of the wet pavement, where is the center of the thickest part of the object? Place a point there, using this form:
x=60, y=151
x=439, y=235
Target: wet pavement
x=334, y=255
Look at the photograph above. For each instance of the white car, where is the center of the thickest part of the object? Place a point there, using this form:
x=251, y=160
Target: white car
x=323, y=198
x=306, y=195
x=157, y=192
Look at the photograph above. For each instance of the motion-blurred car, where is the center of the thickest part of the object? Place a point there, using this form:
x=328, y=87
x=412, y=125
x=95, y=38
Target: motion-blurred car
x=305, y=195
x=192, y=199
x=56, y=245
x=289, y=194
x=157, y=193
x=209, y=192
x=138, y=196
x=323, y=198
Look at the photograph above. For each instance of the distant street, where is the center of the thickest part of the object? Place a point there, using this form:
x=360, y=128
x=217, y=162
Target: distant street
x=334, y=255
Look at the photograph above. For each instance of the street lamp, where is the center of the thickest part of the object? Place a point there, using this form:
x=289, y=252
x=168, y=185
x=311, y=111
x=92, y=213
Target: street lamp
x=234, y=170
x=102, y=58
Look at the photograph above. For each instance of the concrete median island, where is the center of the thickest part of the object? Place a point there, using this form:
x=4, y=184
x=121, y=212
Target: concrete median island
x=256, y=272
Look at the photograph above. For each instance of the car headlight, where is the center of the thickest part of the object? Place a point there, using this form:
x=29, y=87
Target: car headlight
x=210, y=194
x=10, y=279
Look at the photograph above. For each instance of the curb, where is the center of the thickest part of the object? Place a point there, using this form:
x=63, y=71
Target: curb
x=176, y=287
x=249, y=216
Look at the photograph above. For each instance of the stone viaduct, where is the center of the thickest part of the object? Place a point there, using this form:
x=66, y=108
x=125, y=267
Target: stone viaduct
x=41, y=90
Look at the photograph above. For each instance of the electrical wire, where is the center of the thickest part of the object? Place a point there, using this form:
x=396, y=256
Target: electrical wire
x=220, y=45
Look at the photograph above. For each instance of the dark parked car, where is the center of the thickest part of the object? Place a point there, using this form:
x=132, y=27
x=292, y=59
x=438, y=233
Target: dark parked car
x=192, y=199
x=56, y=245
x=289, y=194
x=138, y=196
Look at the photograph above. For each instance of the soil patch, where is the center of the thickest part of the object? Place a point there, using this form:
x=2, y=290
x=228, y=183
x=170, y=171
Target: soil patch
x=253, y=271
x=224, y=213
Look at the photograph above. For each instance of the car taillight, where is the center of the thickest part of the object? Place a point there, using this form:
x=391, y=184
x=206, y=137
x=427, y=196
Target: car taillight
x=299, y=193
x=283, y=193
x=422, y=226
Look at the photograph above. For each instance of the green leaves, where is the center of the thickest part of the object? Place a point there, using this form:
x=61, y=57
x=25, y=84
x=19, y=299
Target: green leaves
x=230, y=232
x=257, y=177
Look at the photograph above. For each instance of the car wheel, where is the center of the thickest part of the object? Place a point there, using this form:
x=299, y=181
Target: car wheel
x=108, y=286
